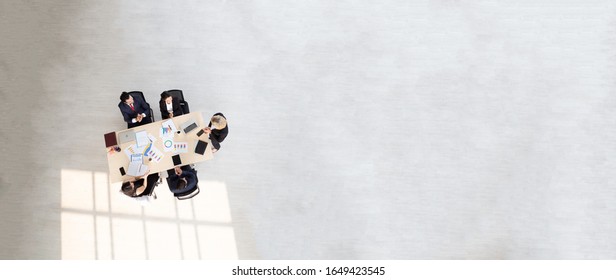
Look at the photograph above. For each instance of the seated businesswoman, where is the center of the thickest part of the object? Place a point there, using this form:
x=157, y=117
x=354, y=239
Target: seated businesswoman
x=140, y=186
x=134, y=109
x=219, y=132
x=169, y=106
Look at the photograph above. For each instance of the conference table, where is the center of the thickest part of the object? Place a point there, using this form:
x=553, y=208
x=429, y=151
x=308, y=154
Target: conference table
x=163, y=142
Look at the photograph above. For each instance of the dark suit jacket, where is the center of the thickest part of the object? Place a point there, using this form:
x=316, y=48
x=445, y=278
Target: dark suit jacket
x=177, y=110
x=217, y=136
x=191, y=179
x=140, y=107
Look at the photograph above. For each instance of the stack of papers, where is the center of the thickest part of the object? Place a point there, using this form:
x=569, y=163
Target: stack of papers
x=136, y=167
x=142, y=138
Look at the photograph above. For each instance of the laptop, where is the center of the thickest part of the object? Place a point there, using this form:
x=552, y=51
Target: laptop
x=189, y=126
x=126, y=136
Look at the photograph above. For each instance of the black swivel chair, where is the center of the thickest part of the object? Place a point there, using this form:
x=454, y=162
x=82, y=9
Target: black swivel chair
x=188, y=193
x=178, y=94
x=153, y=182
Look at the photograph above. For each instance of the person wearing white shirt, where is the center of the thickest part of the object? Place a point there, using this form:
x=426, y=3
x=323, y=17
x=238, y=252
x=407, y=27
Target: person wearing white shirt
x=169, y=106
x=134, y=110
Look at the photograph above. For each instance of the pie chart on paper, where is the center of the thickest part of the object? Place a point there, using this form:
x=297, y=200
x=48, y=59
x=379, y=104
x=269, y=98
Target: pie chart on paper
x=168, y=145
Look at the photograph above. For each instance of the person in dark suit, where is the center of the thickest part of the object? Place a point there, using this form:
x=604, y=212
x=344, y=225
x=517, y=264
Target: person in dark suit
x=169, y=106
x=134, y=109
x=219, y=132
x=182, y=179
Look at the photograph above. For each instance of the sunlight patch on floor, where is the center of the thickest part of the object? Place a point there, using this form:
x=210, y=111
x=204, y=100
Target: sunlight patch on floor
x=98, y=222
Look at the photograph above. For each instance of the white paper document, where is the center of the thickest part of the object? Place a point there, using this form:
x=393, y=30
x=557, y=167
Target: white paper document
x=168, y=129
x=130, y=150
x=155, y=154
x=168, y=144
x=180, y=147
x=136, y=158
x=152, y=138
x=137, y=169
x=141, y=137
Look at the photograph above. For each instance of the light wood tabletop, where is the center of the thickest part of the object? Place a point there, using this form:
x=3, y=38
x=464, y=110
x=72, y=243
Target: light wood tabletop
x=156, y=157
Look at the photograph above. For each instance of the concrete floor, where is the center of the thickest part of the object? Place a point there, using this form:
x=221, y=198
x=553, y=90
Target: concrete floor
x=358, y=129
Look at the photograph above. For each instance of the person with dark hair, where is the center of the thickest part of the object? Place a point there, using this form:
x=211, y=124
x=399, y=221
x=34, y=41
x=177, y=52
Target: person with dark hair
x=140, y=186
x=134, y=109
x=182, y=179
x=169, y=106
x=219, y=132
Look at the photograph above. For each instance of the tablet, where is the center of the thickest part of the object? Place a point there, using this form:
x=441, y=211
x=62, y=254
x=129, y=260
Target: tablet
x=200, y=148
x=176, y=160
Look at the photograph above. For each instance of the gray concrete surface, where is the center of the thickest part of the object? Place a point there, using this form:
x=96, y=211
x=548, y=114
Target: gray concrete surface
x=358, y=129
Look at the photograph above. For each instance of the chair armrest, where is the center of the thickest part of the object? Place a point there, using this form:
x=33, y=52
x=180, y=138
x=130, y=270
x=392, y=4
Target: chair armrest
x=189, y=196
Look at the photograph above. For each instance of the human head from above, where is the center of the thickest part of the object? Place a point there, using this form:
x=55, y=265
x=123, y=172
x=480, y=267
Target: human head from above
x=126, y=98
x=166, y=97
x=128, y=188
x=218, y=122
x=181, y=184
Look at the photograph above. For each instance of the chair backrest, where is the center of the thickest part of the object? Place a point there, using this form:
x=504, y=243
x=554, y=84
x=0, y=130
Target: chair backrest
x=178, y=94
x=183, y=196
x=140, y=94
x=153, y=181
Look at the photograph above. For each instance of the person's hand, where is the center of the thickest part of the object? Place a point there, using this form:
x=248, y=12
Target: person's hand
x=207, y=130
x=178, y=171
x=171, y=115
x=139, y=118
x=214, y=150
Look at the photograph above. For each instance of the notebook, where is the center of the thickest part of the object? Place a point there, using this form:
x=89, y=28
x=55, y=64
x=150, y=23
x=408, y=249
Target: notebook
x=176, y=160
x=136, y=167
x=110, y=139
x=200, y=148
x=126, y=136
x=189, y=125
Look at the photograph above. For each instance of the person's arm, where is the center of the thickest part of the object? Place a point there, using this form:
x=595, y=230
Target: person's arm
x=144, y=107
x=177, y=109
x=173, y=179
x=222, y=134
x=215, y=143
x=142, y=188
x=126, y=115
x=191, y=179
x=216, y=136
x=163, y=109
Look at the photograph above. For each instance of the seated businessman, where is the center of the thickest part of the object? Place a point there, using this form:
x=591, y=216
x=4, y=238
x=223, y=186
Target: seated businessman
x=182, y=179
x=135, y=110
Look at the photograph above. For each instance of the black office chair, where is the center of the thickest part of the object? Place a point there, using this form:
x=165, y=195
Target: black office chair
x=140, y=94
x=187, y=193
x=153, y=181
x=178, y=94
